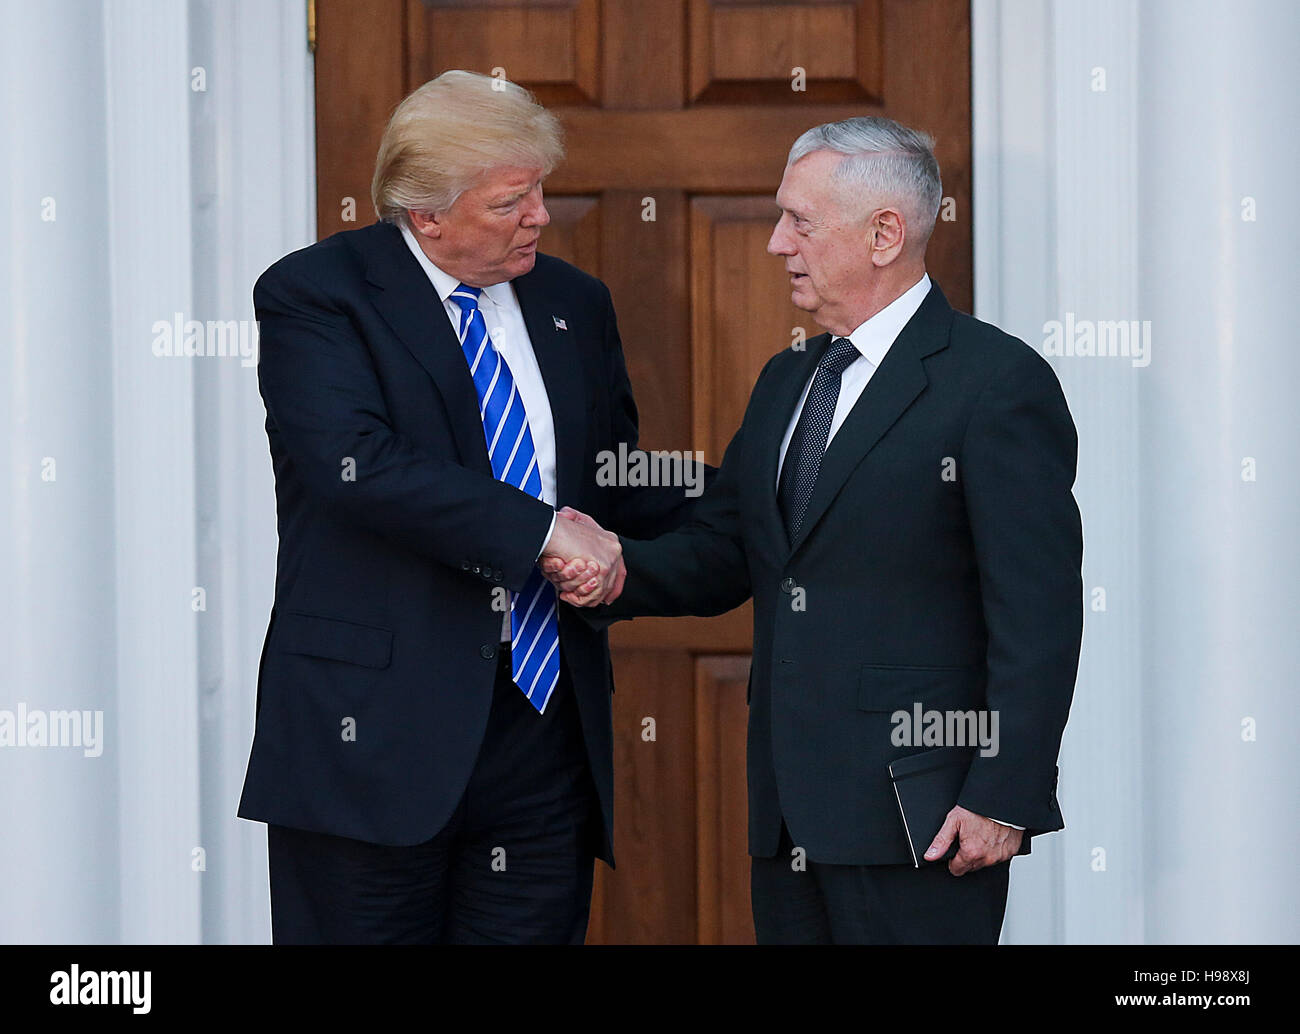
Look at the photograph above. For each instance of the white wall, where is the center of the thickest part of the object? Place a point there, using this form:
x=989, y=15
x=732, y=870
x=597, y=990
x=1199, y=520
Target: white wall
x=166, y=199
x=1121, y=199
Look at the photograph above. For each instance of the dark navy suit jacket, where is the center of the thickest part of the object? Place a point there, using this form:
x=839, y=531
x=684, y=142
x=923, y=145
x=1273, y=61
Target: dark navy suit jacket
x=394, y=533
x=938, y=564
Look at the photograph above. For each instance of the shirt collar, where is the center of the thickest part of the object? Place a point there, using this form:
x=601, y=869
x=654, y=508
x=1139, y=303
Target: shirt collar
x=443, y=282
x=873, y=337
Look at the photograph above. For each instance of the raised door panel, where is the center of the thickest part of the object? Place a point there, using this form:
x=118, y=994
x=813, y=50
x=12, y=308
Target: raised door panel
x=817, y=50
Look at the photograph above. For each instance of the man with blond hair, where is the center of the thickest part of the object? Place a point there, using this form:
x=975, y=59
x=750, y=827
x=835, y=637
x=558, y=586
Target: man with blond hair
x=433, y=750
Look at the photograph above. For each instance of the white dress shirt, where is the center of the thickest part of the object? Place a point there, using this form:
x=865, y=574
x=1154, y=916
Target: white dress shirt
x=873, y=339
x=509, y=335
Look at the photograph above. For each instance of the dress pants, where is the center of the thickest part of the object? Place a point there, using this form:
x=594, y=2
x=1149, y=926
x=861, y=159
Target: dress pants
x=874, y=904
x=513, y=864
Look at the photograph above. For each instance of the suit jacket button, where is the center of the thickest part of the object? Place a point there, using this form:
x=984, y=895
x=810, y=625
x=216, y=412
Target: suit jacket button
x=477, y=569
x=787, y=585
x=464, y=565
x=499, y=576
x=487, y=651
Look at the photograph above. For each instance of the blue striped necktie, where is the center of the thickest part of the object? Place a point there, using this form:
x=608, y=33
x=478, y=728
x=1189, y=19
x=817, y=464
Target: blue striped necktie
x=534, y=624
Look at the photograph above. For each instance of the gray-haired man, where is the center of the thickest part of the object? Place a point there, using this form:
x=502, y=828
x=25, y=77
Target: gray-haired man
x=898, y=503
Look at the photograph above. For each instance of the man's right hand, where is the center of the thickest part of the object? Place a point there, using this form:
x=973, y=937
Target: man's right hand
x=583, y=560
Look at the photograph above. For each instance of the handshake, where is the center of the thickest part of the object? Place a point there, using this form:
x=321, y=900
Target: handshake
x=583, y=561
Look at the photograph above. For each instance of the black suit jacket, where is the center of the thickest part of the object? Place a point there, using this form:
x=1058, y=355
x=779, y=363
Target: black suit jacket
x=903, y=586
x=394, y=533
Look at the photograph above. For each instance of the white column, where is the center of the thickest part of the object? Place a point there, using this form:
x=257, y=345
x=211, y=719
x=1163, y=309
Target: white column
x=1132, y=162
x=1220, y=102
x=147, y=95
x=254, y=200
x=1097, y=151
x=1055, y=143
x=59, y=847
x=132, y=479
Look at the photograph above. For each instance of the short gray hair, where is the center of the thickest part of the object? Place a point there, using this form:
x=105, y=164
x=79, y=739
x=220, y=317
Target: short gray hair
x=884, y=162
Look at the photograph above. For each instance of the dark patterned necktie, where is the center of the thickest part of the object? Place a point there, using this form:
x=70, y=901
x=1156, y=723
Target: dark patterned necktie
x=803, y=457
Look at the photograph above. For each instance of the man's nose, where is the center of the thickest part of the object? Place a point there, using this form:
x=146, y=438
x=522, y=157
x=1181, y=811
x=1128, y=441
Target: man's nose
x=777, y=244
x=536, y=213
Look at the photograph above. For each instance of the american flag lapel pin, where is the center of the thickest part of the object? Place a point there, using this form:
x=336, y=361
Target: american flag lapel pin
x=559, y=323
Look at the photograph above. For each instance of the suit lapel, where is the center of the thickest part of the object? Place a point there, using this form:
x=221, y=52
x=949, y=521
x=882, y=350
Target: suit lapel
x=892, y=388
x=557, y=357
x=411, y=307
x=409, y=304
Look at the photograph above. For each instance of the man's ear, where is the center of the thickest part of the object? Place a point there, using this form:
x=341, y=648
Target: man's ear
x=889, y=234
x=426, y=224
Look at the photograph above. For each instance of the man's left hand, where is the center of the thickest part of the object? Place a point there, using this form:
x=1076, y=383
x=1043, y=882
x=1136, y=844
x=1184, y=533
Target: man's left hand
x=981, y=842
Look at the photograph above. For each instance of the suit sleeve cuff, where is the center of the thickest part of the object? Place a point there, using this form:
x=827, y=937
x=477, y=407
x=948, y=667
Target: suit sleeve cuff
x=549, y=532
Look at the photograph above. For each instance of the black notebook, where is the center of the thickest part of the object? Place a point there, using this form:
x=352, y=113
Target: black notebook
x=926, y=786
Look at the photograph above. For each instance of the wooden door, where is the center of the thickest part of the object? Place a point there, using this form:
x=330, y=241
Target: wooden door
x=678, y=118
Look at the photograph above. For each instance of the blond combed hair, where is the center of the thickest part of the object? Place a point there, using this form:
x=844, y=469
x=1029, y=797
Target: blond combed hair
x=451, y=130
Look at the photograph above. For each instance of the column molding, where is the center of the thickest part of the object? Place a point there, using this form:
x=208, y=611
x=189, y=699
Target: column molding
x=254, y=201
x=146, y=95
x=1055, y=194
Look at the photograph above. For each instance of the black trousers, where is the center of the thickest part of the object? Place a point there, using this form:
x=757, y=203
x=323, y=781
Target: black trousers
x=874, y=904
x=512, y=865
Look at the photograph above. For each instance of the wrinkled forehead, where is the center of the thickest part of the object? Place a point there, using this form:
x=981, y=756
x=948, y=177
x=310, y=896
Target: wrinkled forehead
x=807, y=182
x=505, y=178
